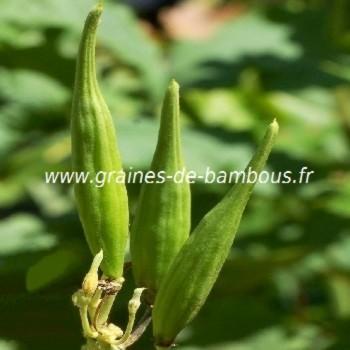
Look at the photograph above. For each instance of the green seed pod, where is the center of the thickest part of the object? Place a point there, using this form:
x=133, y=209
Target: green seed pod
x=103, y=210
x=196, y=267
x=163, y=217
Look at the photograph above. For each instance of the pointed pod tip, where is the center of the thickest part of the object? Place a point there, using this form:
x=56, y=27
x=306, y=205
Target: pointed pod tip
x=174, y=86
x=172, y=97
x=274, y=127
x=98, y=8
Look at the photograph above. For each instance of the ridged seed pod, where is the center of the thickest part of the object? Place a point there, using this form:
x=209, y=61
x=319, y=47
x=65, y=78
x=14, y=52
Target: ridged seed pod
x=103, y=210
x=163, y=217
x=196, y=267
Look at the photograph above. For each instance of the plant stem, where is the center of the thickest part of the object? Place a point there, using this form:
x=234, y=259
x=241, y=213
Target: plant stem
x=140, y=329
x=95, y=301
x=103, y=310
x=88, y=332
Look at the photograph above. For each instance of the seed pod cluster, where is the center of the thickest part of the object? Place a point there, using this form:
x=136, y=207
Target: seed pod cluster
x=196, y=267
x=162, y=221
x=103, y=211
x=177, y=270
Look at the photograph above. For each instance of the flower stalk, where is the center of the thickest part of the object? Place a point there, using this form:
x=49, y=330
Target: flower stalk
x=95, y=300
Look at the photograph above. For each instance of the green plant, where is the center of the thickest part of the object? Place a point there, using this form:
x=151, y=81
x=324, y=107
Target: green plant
x=196, y=267
x=104, y=210
x=163, y=218
x=178, y=271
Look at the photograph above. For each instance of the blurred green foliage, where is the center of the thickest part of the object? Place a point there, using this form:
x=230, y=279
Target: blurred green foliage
x=287, y=283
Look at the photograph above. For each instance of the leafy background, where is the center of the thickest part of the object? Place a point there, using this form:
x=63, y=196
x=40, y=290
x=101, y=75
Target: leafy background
x=286, y=284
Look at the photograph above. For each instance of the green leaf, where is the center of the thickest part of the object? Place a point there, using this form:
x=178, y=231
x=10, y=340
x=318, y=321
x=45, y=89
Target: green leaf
x=14, y=36
x=23, y=233
x=56, y=266
x=28, y=165
x=45, y=13
x=201, y=60
x=33, y=91
x=119, y=32
x=339, y=285
x=320, y=138
x=276, y=338
x=49, y=199
x=8, y=345
x=219, y=108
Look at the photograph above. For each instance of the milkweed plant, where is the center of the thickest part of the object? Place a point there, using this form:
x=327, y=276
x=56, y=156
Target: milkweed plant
x=174, y=270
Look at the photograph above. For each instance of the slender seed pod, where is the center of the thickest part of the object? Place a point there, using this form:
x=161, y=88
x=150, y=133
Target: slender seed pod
x=103, y=210
x=196, y=267
x=163, y=218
